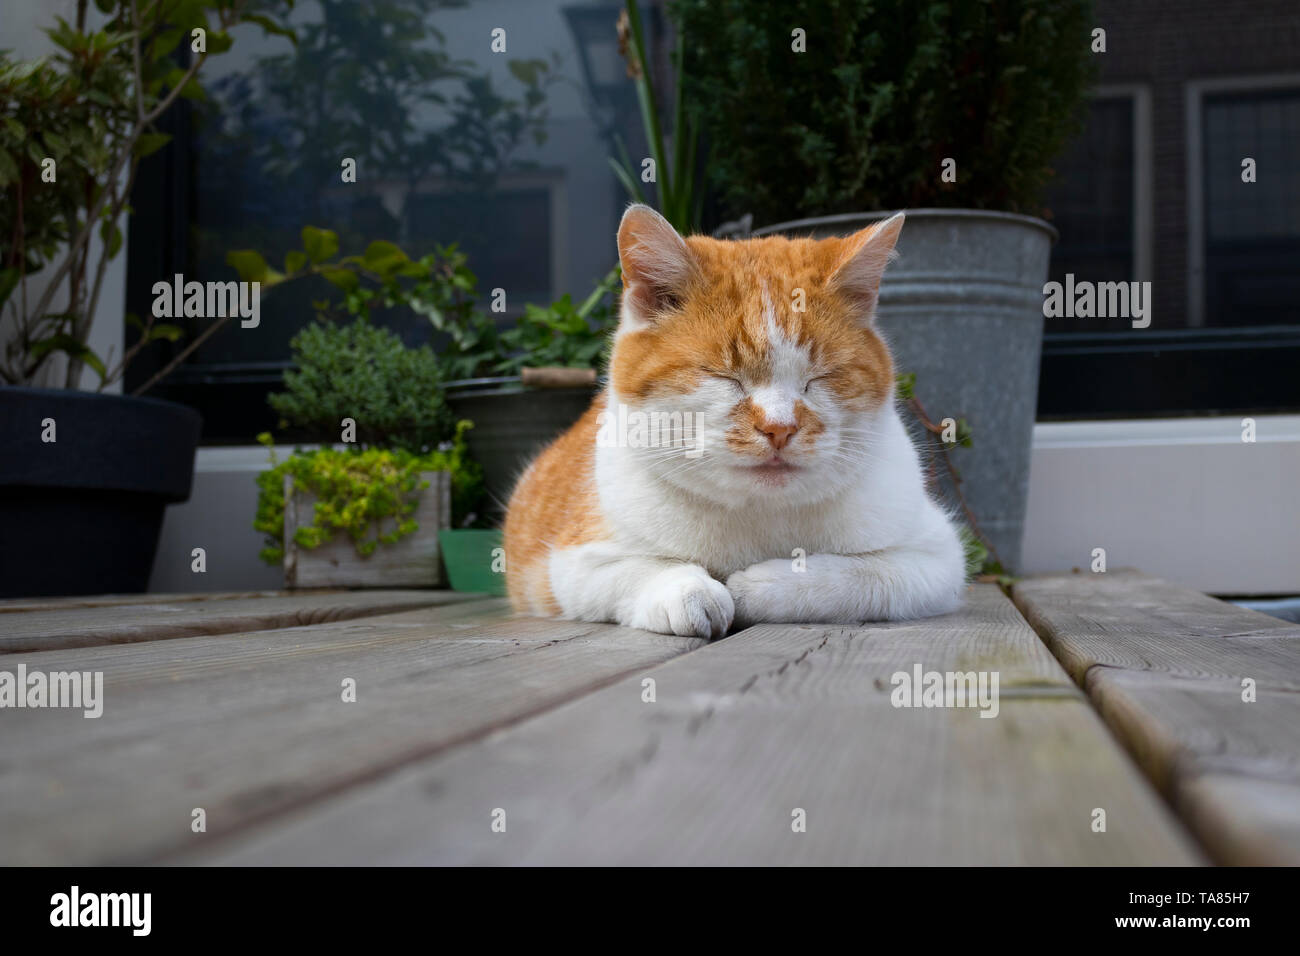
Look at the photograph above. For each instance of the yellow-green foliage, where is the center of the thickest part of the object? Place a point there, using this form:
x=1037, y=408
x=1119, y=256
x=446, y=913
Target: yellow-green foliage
x=368, y=493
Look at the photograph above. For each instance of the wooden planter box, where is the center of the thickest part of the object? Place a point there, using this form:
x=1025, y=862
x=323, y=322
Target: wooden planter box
x=412, y=562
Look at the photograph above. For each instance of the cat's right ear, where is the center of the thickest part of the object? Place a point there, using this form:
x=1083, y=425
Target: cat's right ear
x=658, y=266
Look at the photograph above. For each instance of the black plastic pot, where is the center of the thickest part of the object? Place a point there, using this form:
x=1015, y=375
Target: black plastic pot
x=81, y=514
x=511, y=425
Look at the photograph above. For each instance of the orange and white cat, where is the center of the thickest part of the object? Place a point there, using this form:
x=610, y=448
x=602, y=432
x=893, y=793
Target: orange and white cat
x=746, y=462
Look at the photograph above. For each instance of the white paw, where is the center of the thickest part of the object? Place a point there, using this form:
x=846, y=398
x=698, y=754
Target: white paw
x=767, y=591
x=684, y=600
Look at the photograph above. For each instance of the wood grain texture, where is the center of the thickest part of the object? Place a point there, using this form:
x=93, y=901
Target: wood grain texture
x=745, y=731
x=411, y=562
x=55, y=628
x=22, y=605
x=1165, y=667
x=248, y=726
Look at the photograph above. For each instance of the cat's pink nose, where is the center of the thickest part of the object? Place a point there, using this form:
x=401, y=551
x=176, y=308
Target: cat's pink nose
x=778, y=436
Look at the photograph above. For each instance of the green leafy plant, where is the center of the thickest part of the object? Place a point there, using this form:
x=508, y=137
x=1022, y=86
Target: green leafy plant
x=75, y=127
x=679, y=191
x=562, y=334
x=365, y=373
x=441, y=287
x=886, y=91
x=367, y=493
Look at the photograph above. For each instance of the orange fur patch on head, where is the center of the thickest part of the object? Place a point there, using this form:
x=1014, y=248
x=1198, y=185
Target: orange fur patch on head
x=721, y=321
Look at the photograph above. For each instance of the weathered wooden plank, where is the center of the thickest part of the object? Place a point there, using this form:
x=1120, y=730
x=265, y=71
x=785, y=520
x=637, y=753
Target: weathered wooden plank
x=742, y=734
x=21, y=605
x=1165, y=667
x=55, y=628
x=250, y=725
x=411, y=562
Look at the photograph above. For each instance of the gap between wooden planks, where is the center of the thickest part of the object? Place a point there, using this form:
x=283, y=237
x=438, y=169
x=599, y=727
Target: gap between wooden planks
x=1165, y=667
x=156, y=619
x=743, y=734
x=20, y=605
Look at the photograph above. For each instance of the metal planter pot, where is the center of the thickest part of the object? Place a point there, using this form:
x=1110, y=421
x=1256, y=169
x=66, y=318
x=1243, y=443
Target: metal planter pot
x=511, y=425
x=963, y=309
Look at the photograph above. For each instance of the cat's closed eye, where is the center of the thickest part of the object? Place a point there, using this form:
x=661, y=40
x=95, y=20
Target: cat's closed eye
x=724, y=377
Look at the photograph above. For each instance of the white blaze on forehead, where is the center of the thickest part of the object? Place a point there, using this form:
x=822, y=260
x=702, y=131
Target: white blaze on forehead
x=789, y=365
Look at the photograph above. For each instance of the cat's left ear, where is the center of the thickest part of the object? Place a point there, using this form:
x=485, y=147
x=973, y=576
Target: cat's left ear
x=861, y=264
x=658, y=266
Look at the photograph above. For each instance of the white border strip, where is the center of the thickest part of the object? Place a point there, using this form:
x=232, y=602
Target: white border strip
x=1155, y=432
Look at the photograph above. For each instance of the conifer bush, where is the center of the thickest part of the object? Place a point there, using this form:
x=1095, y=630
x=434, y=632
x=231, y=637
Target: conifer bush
x=884, y=93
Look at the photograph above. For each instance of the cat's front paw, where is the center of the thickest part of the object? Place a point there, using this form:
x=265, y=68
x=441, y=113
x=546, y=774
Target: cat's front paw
x=684, y=600
x=767, y=592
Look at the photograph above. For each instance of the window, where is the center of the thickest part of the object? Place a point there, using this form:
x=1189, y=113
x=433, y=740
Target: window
x=1095, y=201
x=452, y=143
x=1252, y=230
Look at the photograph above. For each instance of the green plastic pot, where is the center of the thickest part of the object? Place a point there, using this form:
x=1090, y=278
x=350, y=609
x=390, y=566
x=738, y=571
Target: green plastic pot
x=469, y=557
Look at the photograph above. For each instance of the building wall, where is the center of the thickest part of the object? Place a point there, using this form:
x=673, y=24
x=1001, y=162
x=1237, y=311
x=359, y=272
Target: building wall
x=1165, y=45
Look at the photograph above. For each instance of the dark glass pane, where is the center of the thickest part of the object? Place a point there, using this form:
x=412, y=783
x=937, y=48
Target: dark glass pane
x=1252, y=229
x=452, y=145
x=1092, y=203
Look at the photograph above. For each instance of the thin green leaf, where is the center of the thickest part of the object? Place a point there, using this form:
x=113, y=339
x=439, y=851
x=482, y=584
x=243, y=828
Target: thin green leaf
x=625, y=177
x=171, y=333
x=74, y=347
x=344, y=279
x=150, y=143
x=8, y=281
x=248, y=263
x=270, y=26
x=111, y=236
x=320, y=244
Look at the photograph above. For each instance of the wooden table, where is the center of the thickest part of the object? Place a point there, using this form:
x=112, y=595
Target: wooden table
x=480, y=737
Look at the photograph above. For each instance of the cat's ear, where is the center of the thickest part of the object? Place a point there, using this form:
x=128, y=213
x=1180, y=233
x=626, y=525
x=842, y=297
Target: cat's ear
x=658, y=266
x=861, y=264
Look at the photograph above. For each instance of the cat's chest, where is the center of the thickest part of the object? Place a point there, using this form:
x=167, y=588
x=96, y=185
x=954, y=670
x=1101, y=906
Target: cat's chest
x=724, y=540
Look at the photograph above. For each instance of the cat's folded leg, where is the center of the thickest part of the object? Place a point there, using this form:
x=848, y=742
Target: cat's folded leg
x=891, y=584
x=601, y=582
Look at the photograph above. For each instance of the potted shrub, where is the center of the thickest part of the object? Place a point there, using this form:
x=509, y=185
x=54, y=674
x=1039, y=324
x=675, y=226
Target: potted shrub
x=370, y=517
x=520, y=386
x=367, y=512
x=86, y=475
x=890, y=108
